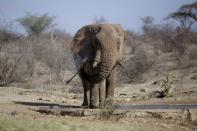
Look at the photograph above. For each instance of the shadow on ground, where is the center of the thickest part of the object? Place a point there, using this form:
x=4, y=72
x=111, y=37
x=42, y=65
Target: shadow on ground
x=55, y=109
x=41, y=104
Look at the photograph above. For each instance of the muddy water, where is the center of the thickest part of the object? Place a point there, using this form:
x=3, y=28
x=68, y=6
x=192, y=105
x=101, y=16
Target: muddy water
x=157, y=106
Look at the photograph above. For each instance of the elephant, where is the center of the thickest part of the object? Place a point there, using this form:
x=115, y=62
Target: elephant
x=97, y=49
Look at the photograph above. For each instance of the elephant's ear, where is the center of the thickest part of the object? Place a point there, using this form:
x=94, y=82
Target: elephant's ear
x=76, y=43
x=85, y=32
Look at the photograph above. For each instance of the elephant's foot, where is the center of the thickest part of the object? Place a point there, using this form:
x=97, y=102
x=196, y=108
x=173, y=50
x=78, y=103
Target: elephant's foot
x=109, y=103
x=94, y=107
x=85, y=105
x=101, y=104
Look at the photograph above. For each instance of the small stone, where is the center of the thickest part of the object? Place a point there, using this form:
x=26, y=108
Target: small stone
x=193, y=114
x=127, y=99
x=134, y=96
x=13, y=113
x=40, y=99
x=142, y=90
x=186, y=115
x=172, y=91
x=123, y=94
x=194, y=77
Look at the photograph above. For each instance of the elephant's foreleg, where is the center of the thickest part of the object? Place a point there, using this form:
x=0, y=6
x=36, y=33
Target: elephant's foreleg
x=102, y=93
x=110, y=87
x=94, y=95
x=86, y=91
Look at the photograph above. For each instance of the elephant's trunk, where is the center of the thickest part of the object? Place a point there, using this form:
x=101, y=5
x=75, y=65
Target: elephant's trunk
x=104, y=67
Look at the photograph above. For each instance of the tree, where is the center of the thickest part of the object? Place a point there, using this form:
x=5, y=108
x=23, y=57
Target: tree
x=100, y=20
x=148, y=26
x=6, y=35
x=186, y=15
x=36, y=24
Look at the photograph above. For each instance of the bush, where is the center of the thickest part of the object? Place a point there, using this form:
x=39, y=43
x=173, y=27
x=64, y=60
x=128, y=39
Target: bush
x=10, y=60
x=130, y=41
x=53, y=53
x=192, y=53
x=36, y=24
x=18, y=57
x=135, y=67
x=7, y=36
x=165, y=35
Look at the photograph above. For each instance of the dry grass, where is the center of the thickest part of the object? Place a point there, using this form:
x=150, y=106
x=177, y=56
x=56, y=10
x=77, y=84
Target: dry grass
x=63, y=124
x=18, y=58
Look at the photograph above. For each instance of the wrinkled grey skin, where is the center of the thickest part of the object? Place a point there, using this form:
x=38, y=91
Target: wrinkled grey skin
x=97, y=49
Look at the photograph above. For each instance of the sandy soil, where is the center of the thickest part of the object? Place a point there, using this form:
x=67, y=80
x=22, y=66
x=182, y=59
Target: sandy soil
x=12, y=105
x=12, y=101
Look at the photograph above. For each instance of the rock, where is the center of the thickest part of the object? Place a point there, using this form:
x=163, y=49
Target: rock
x=145, y=97
x=157, y=94
x=137, y=114
x=186, y=115
x=172, y=91
x=142, y=90
x=194, y=77
x=193, y=114
x=39, y=99
x=128, y=99
x=157, y=82
x=171, y=115
x=134, y=96
x=123, y=94
x=13, y=113
x=189, y=114
x=75, y=97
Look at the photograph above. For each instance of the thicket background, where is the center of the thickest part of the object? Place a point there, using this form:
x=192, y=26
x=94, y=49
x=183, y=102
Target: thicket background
x=42, y=55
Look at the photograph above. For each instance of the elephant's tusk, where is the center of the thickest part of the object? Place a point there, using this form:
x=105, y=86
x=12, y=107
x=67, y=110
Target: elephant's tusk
x=120, y=64
x=68, y=81
x=95, y=64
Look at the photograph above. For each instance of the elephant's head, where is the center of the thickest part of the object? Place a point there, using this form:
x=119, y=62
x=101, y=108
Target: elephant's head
x=99, y=48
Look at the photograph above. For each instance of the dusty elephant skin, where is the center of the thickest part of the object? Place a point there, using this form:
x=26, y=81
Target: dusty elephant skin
x=97, y=49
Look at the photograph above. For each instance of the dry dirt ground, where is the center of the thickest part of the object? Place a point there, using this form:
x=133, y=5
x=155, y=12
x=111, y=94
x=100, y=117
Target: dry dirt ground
x=19, y=104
